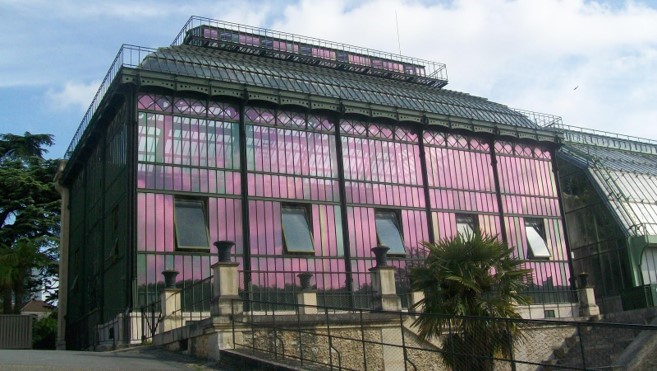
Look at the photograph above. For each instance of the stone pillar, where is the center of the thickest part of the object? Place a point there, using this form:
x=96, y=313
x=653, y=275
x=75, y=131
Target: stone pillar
x=63, y=257
x=222, y=331
x=586, y=298
x=414, y=298
x=383, y=283
x=307, y=297
x=170, y=303
x=226, y=300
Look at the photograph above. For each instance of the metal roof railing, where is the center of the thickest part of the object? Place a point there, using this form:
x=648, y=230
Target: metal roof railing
x=129, y=56
x=432, y=70
x=541, y=119
x=606, y=139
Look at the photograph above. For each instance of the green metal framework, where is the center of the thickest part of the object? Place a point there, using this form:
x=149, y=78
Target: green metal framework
x=610, y=193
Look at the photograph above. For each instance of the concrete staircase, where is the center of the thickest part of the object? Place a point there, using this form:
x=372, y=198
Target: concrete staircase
x=605, y=347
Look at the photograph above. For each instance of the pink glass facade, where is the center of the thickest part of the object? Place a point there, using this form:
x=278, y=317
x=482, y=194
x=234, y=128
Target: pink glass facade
x=204, y=150
x=528, y=189
x=461, y=181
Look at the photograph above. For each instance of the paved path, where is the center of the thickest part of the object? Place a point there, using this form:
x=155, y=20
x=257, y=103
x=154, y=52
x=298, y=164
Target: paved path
x=143, y=358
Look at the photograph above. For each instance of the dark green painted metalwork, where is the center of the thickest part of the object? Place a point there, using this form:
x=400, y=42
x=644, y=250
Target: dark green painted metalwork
x=219, y=65
x=498, y=191
x=343, y=209
x=244, y=173
x=599, y=246
x=425, y=189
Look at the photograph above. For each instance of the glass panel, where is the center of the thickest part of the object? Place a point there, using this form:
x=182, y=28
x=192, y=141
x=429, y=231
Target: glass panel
x=536, y=239
x=296, y=230
x=388, y=232
x=191, y=225
x=649, y=265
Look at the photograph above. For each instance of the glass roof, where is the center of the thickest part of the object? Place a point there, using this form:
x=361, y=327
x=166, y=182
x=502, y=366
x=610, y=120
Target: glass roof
x=289, y=76
x=624, y=168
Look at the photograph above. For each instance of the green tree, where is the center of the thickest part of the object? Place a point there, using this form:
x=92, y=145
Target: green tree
x=29, y=217
x=466, y=277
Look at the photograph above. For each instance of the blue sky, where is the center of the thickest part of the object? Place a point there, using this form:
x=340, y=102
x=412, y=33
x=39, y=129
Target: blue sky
x=593, y=63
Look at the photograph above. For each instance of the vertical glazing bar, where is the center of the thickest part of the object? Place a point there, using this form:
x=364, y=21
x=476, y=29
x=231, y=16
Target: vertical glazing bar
x=425, y=188
x=498, y=190
x=343, y=210
x=562, y=217
x=246, y=239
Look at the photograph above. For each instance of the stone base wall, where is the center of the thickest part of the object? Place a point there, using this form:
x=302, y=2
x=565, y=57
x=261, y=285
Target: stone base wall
x=375, y=346
x=538, y=343
x=344, y=348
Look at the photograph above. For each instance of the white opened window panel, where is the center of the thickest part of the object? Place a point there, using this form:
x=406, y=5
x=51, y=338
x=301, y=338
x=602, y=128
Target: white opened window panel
x=191, y=224
x=464, y=229
x=536, y=242
x=465, y=225
x=388, y=232
x=296, y=230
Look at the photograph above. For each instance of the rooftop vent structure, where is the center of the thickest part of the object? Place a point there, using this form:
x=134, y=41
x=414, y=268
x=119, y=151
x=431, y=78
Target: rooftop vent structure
x=280, y=45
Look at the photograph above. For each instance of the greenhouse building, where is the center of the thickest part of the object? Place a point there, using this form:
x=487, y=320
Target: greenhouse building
x=304, y=153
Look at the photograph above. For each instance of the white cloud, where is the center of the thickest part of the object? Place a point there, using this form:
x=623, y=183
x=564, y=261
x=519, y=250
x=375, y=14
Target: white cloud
x=72, y=95
x=526, y=54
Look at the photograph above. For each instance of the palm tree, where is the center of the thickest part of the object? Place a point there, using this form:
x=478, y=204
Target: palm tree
x=463, y=278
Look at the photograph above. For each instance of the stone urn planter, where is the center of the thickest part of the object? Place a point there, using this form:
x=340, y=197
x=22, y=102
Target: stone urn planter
x=381, y=255
x=304, y=280
x=170, y=278
x=224, y=247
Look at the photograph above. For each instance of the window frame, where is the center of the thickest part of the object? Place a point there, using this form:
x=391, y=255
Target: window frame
x=396, y=220
x=538, y=226
x=307, y=217
x=203, y=206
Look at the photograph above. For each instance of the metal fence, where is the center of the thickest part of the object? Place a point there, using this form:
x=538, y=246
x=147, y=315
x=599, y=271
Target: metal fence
x=358, y=339
x=349, y=338
x=194, y=305
x=16, y=331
